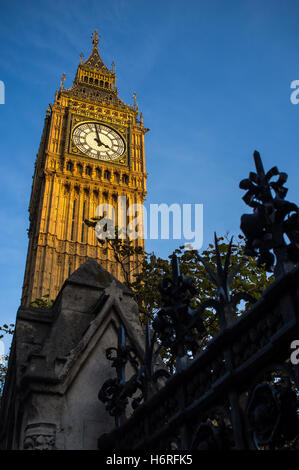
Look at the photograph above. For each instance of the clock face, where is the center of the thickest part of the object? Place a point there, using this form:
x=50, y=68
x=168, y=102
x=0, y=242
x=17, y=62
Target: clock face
x=98, y=141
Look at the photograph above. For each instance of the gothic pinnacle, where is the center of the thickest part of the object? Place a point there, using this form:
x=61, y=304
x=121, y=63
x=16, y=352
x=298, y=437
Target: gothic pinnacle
x=95, y=38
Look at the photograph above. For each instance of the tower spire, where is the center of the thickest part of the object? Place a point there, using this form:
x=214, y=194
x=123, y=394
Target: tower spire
x=94, y=60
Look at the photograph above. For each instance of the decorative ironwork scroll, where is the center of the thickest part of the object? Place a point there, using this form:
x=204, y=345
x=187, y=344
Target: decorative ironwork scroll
x=116, y=392
x=272, y=409
x=225, y=303
x=273, y=218
x=176, y=324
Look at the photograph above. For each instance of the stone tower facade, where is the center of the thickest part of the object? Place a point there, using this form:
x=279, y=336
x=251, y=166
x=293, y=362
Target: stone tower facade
x=91, y=153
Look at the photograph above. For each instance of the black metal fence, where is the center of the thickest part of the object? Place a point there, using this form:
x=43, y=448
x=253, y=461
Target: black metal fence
x=241, y=392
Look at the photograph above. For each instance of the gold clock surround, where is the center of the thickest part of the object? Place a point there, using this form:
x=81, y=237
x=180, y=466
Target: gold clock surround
x=98, y=141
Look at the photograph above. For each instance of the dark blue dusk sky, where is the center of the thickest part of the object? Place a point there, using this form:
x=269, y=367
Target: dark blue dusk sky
x=212, y=79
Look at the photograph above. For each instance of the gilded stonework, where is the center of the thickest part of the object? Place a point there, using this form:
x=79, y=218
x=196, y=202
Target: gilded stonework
x=71, y=180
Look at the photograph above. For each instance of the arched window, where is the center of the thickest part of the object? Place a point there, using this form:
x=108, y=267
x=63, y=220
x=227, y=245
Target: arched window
x=69, y=166
x=116, y=177
x=106, y=84
x=88, y=170
x=107, y=175
x=80, y=168
x=73, y=219
x=91, y=80
x=83, y=223
x=101, y=83
x=125, y=179
x=96, y=81
x=98, y=172
x=86, y=78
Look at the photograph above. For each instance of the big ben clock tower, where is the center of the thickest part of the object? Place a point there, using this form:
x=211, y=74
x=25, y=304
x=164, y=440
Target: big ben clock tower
x=91, y=152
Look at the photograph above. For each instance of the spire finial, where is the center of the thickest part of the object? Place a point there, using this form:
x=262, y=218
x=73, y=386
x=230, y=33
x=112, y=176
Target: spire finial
x=95, y=38
x=81, y=57
x=135, y=101
x=62, y=81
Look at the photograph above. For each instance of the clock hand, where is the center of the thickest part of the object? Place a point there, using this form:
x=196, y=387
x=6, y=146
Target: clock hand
x=100, y=143
x=98, y=140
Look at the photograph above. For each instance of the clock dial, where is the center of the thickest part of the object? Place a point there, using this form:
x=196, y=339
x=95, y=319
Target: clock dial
x=98, y=141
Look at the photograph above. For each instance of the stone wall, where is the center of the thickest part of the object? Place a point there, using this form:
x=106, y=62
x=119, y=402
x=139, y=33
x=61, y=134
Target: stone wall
x=58, y=363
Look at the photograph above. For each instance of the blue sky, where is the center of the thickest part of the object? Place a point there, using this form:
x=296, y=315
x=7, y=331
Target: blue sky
x=212, y=79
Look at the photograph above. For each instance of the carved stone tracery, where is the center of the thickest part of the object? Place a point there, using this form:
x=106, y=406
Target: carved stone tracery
x=40, y=437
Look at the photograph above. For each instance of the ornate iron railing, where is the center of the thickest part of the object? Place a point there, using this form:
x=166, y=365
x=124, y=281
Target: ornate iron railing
x=241, y=392
x=216, y=402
